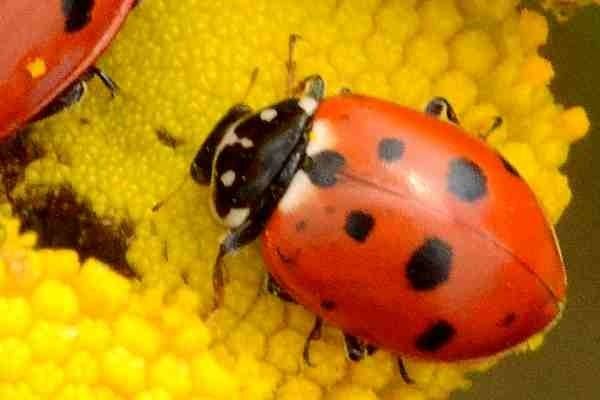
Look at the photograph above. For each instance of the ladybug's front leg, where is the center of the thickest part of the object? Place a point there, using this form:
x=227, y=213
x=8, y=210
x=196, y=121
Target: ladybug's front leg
x=249, y=230
x=315, y=334
x=254, y=224
x=436, y=108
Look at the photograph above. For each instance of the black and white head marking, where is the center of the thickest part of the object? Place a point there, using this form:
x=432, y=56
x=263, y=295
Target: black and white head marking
x=252, y=154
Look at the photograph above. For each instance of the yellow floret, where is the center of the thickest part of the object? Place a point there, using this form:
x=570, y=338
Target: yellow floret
x=75, y=329
x=537, y=70
x=299, y=387
x=54, y=300
x=534, y=29
x=104, y=292
x=15, y=316
x=15, y=358
x=473, y=52
x=573, y=123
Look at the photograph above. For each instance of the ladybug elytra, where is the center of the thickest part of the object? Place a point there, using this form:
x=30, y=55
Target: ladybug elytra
x=48, y=52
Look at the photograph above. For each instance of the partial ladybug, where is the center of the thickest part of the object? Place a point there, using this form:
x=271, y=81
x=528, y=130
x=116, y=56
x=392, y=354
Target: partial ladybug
x=48, y=51
x=391, y=224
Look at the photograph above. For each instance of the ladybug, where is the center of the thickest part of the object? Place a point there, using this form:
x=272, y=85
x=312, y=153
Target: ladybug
x=391, y=224
x=48, y=52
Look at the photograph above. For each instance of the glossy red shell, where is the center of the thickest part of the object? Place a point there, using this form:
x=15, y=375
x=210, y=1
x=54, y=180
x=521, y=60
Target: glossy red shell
x=36, y=30
x=507, y=279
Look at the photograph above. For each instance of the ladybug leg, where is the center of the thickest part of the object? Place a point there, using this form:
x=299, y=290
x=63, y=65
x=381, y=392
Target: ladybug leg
x=71, y=95
x=74, y=93
x=404, y=373
x=355, y=347
x=275, y=289
x=255, y=222
x=436, y=108
x=235, y=238
x=104, y=78
x=315, y=334
x=201, y=168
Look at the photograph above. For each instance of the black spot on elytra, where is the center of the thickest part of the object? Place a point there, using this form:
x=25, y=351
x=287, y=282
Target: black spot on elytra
x=435, y=337
x=390, y=149
x=509, y=167
x=358, y=225
x=329, y=209
x=508, y=320
x=466, y=180
x=430, y=265
x=327, y=305
x=78, y=13
x=61, y=220
x=323, y=167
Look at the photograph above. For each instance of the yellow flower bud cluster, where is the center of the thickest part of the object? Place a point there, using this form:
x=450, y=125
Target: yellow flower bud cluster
x=81, y=331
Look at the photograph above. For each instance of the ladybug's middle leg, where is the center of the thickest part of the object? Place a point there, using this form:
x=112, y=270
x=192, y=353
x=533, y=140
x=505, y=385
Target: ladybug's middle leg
x=404, y=373
x=356, y=348
x=315, y=334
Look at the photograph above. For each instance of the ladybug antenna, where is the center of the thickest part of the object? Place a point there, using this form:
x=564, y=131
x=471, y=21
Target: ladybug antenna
x=251, y=83
x=291, y=63
x=169, y=196
x=196, y=171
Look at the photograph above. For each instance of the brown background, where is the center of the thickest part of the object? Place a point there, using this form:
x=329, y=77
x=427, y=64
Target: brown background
x=568, y=366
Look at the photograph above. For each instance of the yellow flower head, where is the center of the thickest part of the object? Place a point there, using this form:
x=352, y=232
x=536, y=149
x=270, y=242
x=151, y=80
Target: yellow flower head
x=83, y=331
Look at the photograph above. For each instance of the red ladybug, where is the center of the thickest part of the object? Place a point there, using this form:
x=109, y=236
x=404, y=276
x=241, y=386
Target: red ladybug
x=46, y=47
x=397, y=227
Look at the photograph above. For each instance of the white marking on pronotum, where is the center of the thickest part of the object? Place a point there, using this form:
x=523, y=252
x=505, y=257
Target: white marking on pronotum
x=321, y=138
x=236, y=217
x=308, y=104
x=246, y=143
x=228, y=139
x=228, y=178
x=298, y=192
x=268, y=114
